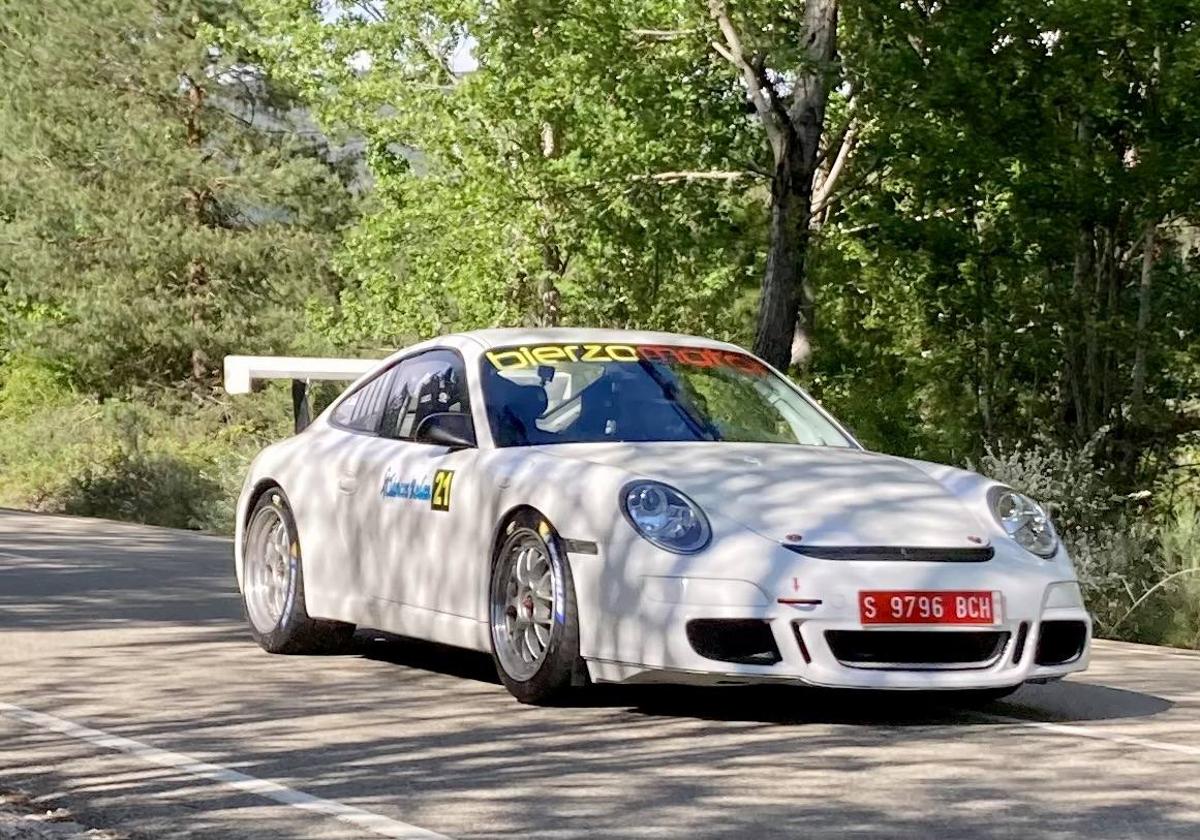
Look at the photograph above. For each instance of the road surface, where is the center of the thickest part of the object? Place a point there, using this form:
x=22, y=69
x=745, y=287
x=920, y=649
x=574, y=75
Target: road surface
x=131, y=694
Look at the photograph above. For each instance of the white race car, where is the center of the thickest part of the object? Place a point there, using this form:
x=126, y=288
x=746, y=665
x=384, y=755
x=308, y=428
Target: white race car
x=640, y=507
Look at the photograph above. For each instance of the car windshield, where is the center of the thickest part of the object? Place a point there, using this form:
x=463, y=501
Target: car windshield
x=593, y=393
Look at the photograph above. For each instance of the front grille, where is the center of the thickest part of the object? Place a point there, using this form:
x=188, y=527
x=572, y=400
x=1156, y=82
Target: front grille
x=1060, y=642
x=745, y=641
x=917, y=649
x=894, y=553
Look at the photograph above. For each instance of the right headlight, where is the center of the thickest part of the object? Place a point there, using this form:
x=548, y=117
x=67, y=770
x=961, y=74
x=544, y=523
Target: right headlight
x=665, y=517
x=1024, y=520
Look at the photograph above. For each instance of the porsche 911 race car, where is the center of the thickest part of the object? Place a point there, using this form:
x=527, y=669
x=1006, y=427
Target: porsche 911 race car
x=595, y=505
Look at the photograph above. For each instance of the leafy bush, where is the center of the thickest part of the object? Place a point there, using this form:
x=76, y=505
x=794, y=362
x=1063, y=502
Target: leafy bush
x=1138, y=561
x=168, y=460
x=155, y=489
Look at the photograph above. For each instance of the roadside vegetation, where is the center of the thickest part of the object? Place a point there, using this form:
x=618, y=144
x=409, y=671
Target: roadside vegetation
x=970, y=230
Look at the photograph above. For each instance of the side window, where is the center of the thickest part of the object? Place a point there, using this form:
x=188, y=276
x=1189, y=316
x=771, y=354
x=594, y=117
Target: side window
x=362, y=410
x=426, y=384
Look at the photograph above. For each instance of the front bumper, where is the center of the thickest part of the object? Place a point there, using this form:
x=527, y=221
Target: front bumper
x=642, y=634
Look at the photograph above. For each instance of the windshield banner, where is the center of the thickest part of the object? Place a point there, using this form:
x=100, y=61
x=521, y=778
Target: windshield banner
x=528, y=356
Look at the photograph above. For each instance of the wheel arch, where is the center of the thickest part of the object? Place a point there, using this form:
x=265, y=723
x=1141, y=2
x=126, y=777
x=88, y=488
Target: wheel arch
x=512, y=515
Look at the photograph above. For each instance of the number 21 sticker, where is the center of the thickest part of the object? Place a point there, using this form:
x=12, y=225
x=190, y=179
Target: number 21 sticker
x=442, y=480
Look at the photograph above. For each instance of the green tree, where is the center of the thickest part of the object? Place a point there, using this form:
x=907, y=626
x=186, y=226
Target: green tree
x=157, y=208
x=628, y=162
x=596, y=165
x=788, y=72
x=1020, y=158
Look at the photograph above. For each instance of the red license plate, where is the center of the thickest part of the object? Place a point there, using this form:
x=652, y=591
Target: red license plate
x=928, y=607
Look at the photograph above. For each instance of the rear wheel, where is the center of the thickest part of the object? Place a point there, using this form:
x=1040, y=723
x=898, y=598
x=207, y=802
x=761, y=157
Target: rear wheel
x=273, y=585
x=532, y=612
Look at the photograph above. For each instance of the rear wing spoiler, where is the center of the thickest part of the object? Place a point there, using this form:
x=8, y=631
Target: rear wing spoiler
x=241, y=372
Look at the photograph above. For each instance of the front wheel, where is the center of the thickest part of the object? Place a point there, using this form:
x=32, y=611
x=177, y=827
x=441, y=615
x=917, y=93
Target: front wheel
x=532, y=611
x=273, y=585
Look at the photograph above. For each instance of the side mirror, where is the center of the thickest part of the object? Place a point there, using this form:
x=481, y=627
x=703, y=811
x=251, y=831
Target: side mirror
x=454, y=429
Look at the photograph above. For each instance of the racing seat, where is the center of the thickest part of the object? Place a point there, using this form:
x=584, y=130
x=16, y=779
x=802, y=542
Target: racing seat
x=431, y=399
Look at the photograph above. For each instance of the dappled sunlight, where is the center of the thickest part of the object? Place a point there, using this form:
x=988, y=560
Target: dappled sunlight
x=425, y=733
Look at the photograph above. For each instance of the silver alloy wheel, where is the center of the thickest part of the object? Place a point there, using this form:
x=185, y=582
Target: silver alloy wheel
x=524, y=586
x=270, y=569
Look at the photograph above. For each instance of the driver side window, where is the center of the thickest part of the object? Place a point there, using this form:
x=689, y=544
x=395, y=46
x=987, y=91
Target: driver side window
x=361, y=411
x=425, y=384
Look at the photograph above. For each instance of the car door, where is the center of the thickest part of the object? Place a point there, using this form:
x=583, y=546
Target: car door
x=416, y=483
x=346, y=452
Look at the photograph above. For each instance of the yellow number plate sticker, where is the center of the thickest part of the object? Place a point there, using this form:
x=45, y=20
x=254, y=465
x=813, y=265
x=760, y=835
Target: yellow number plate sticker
x=442, y=481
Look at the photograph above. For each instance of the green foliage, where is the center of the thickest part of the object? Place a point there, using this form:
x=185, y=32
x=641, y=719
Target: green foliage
x=1137, y=558
x=547, y=184
x=981, y=292
x=985, y=277
x=155, y=212
x=174, y=462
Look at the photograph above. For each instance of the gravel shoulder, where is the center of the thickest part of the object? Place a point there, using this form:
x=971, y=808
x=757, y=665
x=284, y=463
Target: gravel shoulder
x=23, y=818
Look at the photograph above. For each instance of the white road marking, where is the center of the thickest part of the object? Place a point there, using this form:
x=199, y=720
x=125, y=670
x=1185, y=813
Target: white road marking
x=8, y=555
x=1097, y=733
x=1130, y=648
x=374, y=823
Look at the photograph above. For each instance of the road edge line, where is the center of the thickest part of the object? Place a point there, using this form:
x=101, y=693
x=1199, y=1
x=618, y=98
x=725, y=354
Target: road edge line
x=1095, y=733
x=274, y=791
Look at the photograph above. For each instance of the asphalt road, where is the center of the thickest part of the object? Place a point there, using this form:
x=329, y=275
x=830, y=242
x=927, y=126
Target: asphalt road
x=131, y=694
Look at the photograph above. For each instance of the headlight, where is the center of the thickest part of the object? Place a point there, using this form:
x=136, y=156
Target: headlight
x=665, y=517
x=1024, y=520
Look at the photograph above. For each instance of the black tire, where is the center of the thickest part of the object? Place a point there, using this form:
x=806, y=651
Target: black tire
x=294, y=632
x=561, y=668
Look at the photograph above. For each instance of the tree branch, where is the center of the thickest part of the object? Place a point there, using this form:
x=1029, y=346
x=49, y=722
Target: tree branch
x=824, y=190
x=823, y=154
x=440, y=60
x=661, y=35
x=370, y=11
x=702, y=175
x=758, y=85
x=1150, y=592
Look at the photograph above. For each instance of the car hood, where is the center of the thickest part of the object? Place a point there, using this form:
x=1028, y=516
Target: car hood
x=825, y=495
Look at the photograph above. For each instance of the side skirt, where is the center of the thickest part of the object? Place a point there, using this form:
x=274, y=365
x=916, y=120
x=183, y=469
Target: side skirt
x=421, y=623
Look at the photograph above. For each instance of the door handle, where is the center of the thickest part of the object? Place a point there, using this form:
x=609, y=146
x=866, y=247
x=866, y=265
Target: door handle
x=347, y=483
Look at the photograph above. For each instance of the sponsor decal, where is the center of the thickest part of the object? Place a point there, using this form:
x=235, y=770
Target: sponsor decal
x=531, y=356
x=443, y=480
x=396, y=488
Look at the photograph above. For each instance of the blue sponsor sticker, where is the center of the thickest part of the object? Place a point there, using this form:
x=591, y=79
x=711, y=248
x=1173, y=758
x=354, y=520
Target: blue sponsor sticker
x=396, y=488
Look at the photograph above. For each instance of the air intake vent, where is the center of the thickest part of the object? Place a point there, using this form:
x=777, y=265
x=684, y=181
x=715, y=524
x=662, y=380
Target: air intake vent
x=898, y=554
x=916, y=650
x=1060, y=642
x=745, y=641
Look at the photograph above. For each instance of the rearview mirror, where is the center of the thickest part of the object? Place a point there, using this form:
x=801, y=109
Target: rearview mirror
x=447, y=428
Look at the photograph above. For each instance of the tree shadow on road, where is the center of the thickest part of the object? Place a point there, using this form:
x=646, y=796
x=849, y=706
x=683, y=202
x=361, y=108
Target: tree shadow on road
x=1058, y=702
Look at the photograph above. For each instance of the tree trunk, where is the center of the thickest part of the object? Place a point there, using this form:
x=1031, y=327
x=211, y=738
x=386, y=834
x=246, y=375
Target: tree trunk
x=1083, y=344
x=198, y=199
x=553, y=265
x=197, y=280
x=1143, y=320
x=786, y=307
x=780, y=304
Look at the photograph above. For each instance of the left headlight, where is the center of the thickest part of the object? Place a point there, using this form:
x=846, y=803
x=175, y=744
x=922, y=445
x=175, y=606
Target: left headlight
x=1024, y=520
x=665, y=517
